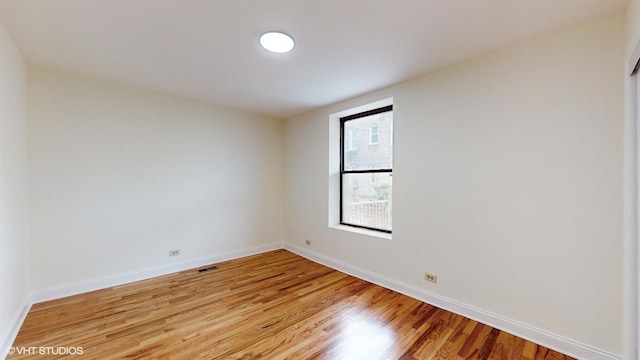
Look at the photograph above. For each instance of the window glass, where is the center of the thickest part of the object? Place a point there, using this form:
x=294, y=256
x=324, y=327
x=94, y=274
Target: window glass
x=367, y=204
x=369, y=157
x=373, y=135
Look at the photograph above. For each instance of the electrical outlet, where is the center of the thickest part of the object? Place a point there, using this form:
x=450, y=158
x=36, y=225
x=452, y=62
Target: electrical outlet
x=431, y=277
x=175, y=252
x=307, y=242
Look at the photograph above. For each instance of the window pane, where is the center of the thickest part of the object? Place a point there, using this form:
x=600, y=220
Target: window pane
x=368, y=143
x=366, y=202
x=351, y=139
x=373, y=135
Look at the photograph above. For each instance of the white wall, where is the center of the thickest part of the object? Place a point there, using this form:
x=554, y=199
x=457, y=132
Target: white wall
x=633, y=26
x=119, y=176
x=507, y=184
x=14, y=261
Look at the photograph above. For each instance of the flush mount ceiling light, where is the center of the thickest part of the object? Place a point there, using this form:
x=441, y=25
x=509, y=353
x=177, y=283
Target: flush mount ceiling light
x=277, y=42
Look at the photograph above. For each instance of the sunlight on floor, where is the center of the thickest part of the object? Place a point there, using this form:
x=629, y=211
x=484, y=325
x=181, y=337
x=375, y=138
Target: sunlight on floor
x=362, y=336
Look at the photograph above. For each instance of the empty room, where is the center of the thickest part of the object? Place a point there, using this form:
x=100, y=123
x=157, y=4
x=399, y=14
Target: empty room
x=331, y=179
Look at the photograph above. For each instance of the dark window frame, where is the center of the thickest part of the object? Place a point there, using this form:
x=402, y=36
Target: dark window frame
x=343, y=120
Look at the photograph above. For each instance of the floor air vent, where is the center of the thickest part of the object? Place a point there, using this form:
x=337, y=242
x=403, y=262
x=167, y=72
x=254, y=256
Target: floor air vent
x=207, y=269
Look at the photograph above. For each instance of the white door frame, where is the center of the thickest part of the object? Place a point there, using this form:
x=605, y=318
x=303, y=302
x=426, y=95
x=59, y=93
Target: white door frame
x=631, y=319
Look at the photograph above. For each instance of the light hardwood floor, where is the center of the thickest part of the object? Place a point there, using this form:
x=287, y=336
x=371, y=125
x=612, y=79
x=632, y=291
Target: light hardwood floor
x=275, y=305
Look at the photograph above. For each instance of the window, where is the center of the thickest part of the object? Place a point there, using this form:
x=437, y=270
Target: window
x=372, y=176
x=352, y=139
x=373, y=135
x=366, y=175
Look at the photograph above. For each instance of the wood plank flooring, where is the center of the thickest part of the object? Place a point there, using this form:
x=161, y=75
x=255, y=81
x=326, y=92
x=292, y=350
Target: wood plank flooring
x=275, y=305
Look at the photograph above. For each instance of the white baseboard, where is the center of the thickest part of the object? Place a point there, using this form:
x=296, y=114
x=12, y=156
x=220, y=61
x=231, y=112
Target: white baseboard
x=528, y=332
x=14, y=326
x=539, y=336
x=80, y=287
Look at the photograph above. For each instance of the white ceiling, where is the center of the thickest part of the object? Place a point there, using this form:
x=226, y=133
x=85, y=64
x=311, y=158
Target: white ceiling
x=208, y=49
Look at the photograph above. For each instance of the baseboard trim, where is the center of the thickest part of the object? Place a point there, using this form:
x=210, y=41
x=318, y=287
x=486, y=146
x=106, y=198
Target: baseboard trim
x=80, y=287
x=15, y=325
x=539, y=336
x=57, y=292
x=525, y=331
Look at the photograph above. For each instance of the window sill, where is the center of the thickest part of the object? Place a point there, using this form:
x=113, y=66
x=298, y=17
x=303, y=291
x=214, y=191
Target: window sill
x=353, y=229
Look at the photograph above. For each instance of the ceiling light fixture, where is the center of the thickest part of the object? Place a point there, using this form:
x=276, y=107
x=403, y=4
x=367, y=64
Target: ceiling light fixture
x=277, y=42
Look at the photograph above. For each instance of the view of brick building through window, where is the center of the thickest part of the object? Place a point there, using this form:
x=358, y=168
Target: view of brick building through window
x=367, y=171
